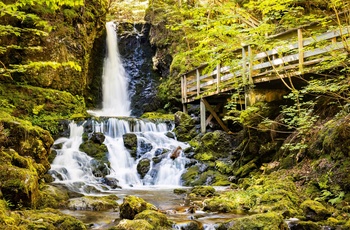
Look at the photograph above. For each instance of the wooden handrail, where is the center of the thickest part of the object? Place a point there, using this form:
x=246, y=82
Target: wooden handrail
x=261, y=66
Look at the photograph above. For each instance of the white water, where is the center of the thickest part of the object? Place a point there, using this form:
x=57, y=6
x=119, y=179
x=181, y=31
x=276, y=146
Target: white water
x=116, y=101
x=74, y=168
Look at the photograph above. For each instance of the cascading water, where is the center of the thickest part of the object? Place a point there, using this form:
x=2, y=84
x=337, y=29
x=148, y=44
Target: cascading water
x=116, y=101
x=75, y=168
x=152, y=163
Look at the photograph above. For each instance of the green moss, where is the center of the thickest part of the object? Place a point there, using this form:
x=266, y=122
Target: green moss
x=314, y=210
x=224, y=167
x=133, y=205
x=94, y=203
x=158, y=116
x=156, y=219
x=265, y=221
x=203, y=191
x=133, y=225
x=52, y=197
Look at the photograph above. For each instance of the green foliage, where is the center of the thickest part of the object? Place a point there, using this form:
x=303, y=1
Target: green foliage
x=20, y=20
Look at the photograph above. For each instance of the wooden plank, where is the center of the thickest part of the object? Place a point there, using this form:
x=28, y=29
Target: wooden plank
x=210, y=109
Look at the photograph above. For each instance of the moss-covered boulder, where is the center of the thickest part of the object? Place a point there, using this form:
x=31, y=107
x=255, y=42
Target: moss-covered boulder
x=213, y=146
x=264, y=221
x=95, y=148
x=156, y=219
x=52, y=197
x=200, y=175
x=184, y=127
x=94, y=203
x=133, y=225
x=27, y=140
x=143, y=167
x=19, y=179
x=300, y=225
x=203, y=191
x=130, y=143
x=133, y=205
x=39, y=219
x=314, y=210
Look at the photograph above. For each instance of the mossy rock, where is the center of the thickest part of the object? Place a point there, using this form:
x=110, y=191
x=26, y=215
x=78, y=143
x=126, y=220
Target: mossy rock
x=156, y=219
x=246, y=169
x=203, y=191
x=37, y=219
x=133, y=225
x=264, y=221
x=314, y=210
x=130, y=143
x=213, y=146
x=19, y=179
x=94, y=203
x=28, y=140
x=307, y=225
x=52, y=197
x=143, y=167
x=95, y=150
x=133, y=205
x=193, y=177
x=184, y=127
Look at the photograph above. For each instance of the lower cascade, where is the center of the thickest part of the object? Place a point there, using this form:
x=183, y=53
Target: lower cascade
x=137, y=153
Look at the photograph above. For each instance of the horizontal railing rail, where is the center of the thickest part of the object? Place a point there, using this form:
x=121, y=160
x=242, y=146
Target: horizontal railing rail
x=290, y=60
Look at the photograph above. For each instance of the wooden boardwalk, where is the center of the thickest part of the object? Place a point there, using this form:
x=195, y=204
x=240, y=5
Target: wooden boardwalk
x=295, y=59
x=253, y=68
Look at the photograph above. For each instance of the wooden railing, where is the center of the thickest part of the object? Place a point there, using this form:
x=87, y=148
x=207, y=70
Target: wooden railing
x=291, y=60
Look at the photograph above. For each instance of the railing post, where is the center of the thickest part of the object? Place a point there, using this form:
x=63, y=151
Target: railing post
x=203, y=116
x=218, y=77
x=250, y=57
x=301, y=51
x=198, y=82
x=244, y=65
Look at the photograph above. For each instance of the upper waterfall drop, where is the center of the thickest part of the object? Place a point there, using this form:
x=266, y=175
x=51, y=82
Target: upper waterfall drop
x=116, y=101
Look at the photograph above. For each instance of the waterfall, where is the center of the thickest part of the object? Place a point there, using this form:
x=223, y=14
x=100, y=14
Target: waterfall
x=116, y=101
x=75, y=168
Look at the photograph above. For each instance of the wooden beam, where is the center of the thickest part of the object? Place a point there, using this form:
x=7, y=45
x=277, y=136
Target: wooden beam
x=301, y=50
x=198, y=82
x=250, y=58
x=202, y=115
x=218, y=77
x=216, y=109
x=210, y=109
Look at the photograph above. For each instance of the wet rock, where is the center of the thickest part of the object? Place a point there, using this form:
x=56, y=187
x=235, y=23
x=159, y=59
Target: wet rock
x=95, y=150
x=271, y=220
x=180, y=191
x=157, y=219
x=111, y=182
x=99, y=168
x=184, y=127
x=203, y=191
x=94, y=203
x=302, y=225
x=130, y=143
x=190, y=225
x=98, y=138
x=170, y=135
x=133, y=205
x=176, y=153
x=144, y=147
x=314, y=210
x=133, y=225
x=143, y=167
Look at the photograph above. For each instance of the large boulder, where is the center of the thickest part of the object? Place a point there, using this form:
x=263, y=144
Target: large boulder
x=156, y=219
x=213, y=146
x=184, y=127
x=143, y=167
x=19, y=179
x=314, y=210
x=133, y=205
x=130, y=143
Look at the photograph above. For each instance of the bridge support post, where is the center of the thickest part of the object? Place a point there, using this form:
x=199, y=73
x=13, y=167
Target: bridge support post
x=203, y=116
